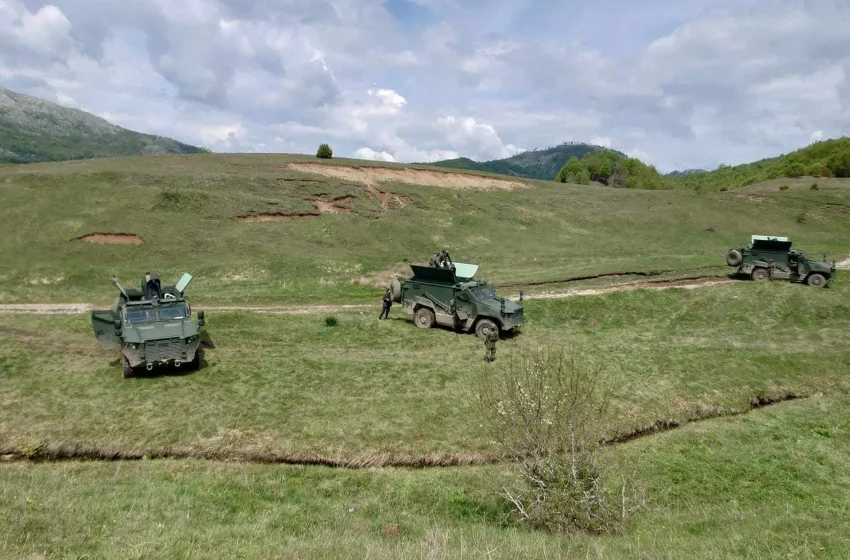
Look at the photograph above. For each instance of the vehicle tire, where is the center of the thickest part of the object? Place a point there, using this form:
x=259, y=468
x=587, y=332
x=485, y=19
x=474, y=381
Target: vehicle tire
x=424, y=318
x=484, y=326
x=816, y=280
x=126, y=370
x=760, y=274
x=734, y=257
x=195, y=364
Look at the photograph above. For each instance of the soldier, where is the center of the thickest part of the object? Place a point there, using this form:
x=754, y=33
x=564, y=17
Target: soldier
x=490, y=344
x=387, y=301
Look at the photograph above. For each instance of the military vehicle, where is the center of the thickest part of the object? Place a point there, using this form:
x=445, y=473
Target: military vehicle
x=152, y=326
x=768, y=257
x=448, y=295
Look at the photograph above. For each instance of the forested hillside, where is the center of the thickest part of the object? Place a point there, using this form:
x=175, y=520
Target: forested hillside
x=532, y=164
x=828, y=158
x=614, y=170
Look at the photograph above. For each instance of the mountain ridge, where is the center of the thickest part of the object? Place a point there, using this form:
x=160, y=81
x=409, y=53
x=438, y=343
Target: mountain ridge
x=35, y=130
x=543, y=164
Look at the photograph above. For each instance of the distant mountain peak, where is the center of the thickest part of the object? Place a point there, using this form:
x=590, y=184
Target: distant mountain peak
x=34, y=129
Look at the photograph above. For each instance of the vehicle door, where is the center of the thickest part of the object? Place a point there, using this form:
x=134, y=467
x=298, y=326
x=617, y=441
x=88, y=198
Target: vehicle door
x=103, y=323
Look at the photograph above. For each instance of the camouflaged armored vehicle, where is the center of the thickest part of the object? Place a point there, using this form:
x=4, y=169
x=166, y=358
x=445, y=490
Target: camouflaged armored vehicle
x=152, y=326
x=446, y=294
x=769, y=257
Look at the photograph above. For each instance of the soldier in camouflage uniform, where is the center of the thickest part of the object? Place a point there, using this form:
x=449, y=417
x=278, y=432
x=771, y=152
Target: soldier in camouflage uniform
x=490, y=345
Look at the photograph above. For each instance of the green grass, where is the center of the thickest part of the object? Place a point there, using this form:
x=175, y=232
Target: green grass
x=281, y=384
x=770, y=484
x=183, y=209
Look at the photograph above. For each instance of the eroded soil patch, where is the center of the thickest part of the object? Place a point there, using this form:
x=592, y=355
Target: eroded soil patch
x=111, y=238
x=332, y=206
x=369, y=175
x=273, y=217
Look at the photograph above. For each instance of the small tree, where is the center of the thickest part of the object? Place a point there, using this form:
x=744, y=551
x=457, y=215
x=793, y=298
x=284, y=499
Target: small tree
x=545, y=409
x=324, y=152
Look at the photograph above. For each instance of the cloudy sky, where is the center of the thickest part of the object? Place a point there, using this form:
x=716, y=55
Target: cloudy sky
x=678, y=83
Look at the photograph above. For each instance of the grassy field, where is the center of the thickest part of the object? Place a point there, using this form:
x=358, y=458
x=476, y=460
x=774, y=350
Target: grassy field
x=184, y=207
x=769, y=484
x=289, y=385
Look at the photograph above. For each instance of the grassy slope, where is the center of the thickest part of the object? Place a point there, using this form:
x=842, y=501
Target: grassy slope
x=290, y=385
x=773, y=483
x=545, y=233
x=829, y=158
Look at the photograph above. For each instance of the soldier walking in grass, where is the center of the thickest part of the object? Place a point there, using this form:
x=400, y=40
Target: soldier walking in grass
x=387, y=301
x=490, y=345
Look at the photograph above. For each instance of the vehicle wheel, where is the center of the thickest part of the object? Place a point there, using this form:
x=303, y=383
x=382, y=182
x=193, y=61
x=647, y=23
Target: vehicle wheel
x=760, y=275
x=816, y=280
x=484, y=327
x=734, y=257
x=195, y=364
x=126, y=370
x=424, y=318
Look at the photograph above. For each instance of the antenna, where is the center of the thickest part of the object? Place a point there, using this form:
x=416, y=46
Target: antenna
x=120, y=288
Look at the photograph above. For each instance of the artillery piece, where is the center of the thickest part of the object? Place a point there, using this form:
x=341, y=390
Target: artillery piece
x=152, y=326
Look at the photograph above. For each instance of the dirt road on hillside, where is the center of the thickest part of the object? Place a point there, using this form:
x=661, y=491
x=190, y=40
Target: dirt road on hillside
x=78, y=308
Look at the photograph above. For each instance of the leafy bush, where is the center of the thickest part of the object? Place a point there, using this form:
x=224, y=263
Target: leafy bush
x=331, y=321
x=814, y=187
x=324, y=152
x=801, y=218
x=179, y=199
x=783, y=187
x=545, y=409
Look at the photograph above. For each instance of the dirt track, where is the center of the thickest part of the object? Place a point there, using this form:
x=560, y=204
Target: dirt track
x=77, y=308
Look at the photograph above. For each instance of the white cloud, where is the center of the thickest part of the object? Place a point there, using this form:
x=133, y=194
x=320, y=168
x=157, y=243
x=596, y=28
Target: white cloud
x=816, y=136
x=727, y=85
x=605, y=142
x=370, y=154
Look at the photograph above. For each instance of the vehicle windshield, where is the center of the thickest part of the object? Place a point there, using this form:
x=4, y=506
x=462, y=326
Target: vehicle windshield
x=482, y=292
x=172, y=312
x=140, y=314
x=148, y=314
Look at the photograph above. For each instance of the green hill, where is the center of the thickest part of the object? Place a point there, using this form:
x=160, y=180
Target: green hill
x=828, y=158
x=330, y=237
x=532, y=164
x=615, y=170
x=35, y=130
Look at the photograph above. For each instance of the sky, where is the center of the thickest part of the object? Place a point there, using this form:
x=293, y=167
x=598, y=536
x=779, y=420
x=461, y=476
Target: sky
x=681, y=85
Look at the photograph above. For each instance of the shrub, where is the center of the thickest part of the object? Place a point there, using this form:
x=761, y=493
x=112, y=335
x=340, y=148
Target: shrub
x=545, y=410
x=324, y=152
x=801, y=218
x=814, y=187
x=783, y=187
x=331, y=321
x=724, y=189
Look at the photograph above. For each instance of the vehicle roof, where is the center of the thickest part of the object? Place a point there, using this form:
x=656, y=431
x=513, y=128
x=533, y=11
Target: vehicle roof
x=755, y=238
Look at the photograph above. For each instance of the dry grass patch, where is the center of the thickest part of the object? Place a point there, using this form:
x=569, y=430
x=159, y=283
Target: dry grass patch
x=373, y=175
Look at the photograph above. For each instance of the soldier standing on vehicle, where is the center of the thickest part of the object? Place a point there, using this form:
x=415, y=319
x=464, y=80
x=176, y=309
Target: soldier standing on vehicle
x=490, y=345
x=387, y=301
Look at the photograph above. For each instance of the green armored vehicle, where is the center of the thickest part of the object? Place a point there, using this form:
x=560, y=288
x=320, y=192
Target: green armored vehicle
x=447, y=294
x=151, y=326
x=768, y=257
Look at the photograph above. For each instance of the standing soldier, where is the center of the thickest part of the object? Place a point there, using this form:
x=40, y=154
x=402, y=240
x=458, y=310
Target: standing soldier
x=387, y=301
x=490, y=344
